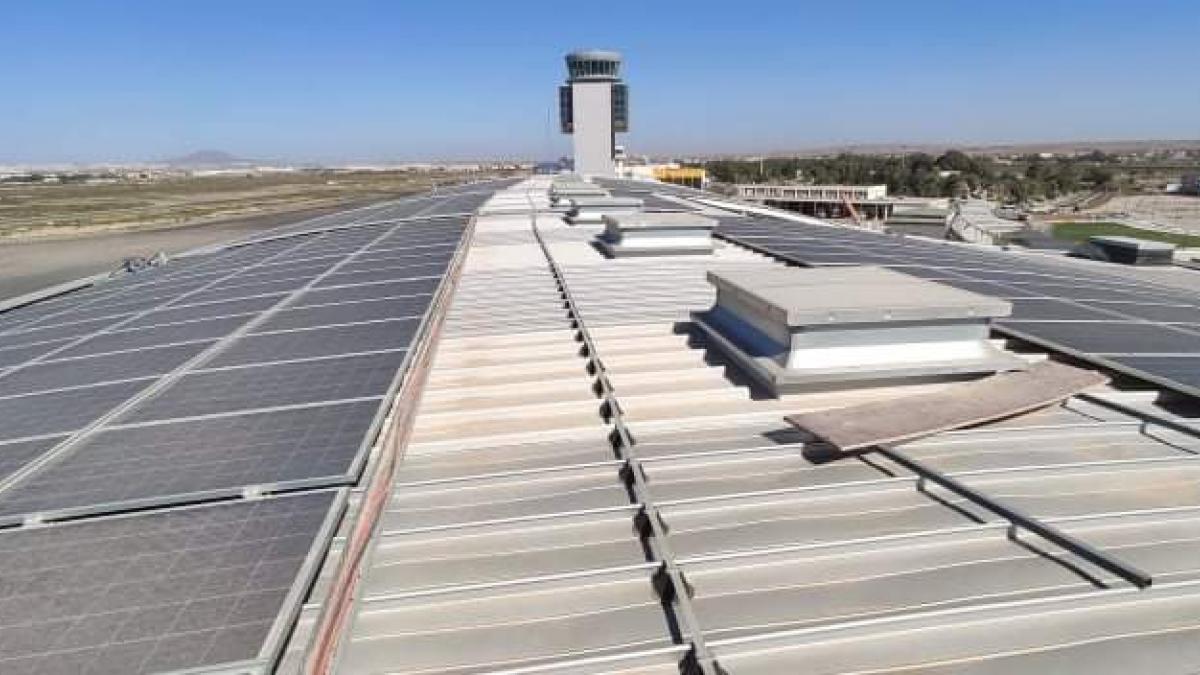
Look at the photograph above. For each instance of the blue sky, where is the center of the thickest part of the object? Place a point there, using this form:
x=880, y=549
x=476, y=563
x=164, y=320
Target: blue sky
x=373, y=81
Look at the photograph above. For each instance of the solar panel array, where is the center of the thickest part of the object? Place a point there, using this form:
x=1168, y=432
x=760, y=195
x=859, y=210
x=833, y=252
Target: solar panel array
x=162, y=591
x=145, y=409
x=1146, y=330
x=649, y=193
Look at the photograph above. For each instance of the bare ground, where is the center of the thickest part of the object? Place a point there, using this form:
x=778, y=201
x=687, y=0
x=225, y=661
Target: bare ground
x=27, y=265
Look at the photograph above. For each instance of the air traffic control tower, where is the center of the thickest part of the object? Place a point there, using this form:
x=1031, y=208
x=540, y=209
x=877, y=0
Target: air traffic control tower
x=594, y=107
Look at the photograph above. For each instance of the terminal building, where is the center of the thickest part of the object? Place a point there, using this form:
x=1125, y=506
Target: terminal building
x=823, y=201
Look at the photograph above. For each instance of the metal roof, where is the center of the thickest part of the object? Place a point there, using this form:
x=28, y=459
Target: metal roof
x=588, y=488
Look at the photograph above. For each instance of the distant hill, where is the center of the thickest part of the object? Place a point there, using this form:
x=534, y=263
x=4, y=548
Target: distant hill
x=209, y=159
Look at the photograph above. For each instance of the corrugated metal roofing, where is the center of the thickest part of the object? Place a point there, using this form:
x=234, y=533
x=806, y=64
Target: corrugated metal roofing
x=589, y=488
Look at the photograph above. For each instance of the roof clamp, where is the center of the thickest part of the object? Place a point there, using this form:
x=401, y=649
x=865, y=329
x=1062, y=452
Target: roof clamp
x=630, y=473
x=690, y=665
x=643, y=526
x=664, y=585
x=253, y=492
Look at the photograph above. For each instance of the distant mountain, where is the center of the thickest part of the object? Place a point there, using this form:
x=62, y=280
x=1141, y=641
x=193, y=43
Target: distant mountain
x=209, y=159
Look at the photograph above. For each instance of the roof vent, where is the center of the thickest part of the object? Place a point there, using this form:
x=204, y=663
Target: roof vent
x=797, y=330
x=1126, y=250
x=564, y=190
x=593, y=209
x=664, y=233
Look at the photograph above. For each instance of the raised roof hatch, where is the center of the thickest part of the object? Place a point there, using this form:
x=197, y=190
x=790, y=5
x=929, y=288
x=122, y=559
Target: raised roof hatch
x=799, y=329
x=586, y=209
x=654, y=234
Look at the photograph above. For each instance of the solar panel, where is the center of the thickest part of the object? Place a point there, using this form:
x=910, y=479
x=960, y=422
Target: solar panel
x=207, y=311
x=240, y=389
x=18, y=355
x=383, y=256
x=1184, y=370
x=141, y=338
x=368, y=310
x=234, y=290
x=319, y=342
x=61, y=411
x=1056, y=309
x=120, y=468
x=1151, y=312
x=388, y=274
x=93, y=369
x=206, y=587
x=1109, y=337
x=14, y=456
x=105, y=311
x=387, y=289
x=57, y=332
x=421, y=263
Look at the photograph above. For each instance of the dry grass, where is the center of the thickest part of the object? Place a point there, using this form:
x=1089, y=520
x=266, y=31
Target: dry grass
x=57, y=210
x=1178, y=211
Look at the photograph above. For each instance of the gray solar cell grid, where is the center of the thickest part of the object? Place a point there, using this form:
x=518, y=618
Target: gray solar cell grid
x=60, y=332
x=924, y=272
x=388, y=289
x=233, y=291
x=209, y=587
x=283, y=272
x=151, y=295
x=87, y=313
x=91, y=370
x=243, y=389
x=1108, y=338
x=398, y=270
x=67, y=323
x=304, y=257
x=319, y=342
x=141, y=338
x=401, y=256
x=208, y=310
x=994, y=290
x=1082, y=291
x=1184, y=371
x=61, y=412
x=15, y=456
x=439, y=259
x=1040, y=309
x=355, y=278
x=19, y=355
x=448, y=236
x=440, y=231
x=21, y=316
x=368, y=310
x=124, y=468
x=1151, y=312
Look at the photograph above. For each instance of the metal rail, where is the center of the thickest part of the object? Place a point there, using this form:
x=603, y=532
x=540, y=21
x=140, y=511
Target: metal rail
x=1147, y=417
x=1021, y=520
x=333, y=621
x=669, y=582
